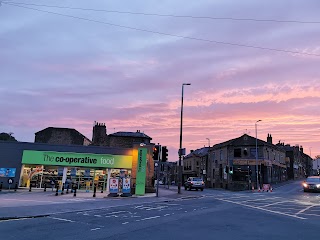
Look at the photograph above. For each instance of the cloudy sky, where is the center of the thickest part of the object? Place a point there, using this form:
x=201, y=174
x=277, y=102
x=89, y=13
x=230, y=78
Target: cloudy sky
x=66, y=67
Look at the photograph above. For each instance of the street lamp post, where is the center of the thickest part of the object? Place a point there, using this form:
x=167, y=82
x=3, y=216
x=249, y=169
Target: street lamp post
x=257, y=170
x=180, y=148
x=208, y=168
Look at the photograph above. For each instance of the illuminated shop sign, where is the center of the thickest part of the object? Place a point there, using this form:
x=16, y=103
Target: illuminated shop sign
x=76, y=159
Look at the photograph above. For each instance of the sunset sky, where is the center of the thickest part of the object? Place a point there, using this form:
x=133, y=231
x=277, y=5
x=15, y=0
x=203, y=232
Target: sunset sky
x=126, y=70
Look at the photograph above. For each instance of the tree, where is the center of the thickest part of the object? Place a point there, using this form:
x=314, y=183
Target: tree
x=7, y=137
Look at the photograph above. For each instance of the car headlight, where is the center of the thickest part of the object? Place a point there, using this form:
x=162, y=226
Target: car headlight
x=305, y=185
x=318, y=185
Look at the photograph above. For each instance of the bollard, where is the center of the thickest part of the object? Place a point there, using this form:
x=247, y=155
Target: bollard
x=30, y=188
x=16, y=187
x=75, y=191
x=57, y=189
x=45, y=187
x=94, y=190
x=102, y=188
x=1, y=186
x=62, y=192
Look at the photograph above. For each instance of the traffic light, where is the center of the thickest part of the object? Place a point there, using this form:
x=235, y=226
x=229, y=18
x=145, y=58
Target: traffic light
x=227, y=169
x=156, y=151
x=231, y=170
x=164, y=154
x=250, y=172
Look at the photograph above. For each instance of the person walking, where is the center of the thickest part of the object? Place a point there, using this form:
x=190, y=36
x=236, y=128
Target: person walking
x=52, y=184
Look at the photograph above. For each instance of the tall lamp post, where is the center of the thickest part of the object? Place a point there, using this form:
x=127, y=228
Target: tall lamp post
x=180, y=148
x=208, y=168
x=257, y=170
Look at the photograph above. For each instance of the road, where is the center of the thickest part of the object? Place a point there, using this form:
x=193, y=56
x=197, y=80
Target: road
x=285, y=213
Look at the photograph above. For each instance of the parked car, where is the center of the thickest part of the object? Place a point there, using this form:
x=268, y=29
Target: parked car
x=311, y=184
x=194, y=183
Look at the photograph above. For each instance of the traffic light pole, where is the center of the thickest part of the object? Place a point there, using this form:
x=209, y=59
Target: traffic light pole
x=158, y=170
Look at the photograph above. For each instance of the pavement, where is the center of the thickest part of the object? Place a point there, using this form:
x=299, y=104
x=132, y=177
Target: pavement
x=37, y=203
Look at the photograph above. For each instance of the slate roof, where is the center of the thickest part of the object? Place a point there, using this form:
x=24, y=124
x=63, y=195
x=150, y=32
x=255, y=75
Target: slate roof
x=130, y=134
x=240, y=141
x=199, y=152
x=65, y=129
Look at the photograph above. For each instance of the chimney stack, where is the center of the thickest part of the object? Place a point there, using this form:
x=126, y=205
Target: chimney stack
x=269, y=138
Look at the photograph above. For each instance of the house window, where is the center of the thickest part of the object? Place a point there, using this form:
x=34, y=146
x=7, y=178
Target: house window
x=237, y=152
x=252, y=152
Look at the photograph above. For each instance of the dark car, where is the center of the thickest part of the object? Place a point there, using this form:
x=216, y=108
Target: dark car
x=194, y=183
x=311, y=184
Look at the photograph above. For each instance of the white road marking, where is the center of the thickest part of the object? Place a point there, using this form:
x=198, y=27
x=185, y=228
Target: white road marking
x=143, y=219
x=260, y=208
x=305, y=209
x=310, y=214
x=61, y=219
x=260, y=199
x=18, y=219
x=275, y=203
x=97, y=215
x=125, y=223
x=166, y=215
x=117, y=212
x=94, y=229
x=156, y=208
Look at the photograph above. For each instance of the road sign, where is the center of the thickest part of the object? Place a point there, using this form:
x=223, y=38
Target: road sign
x=10, y=181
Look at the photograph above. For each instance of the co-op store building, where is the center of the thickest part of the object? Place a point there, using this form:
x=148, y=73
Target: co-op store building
x=37, y=164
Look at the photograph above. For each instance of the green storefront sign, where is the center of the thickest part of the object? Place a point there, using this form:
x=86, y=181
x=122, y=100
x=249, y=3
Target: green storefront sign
x=141, y=171
x=76, y=159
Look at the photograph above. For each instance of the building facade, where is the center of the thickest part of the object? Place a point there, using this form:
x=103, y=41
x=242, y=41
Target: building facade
x=117, y=139
x=238, y=163
x=196, y=164
x=299, y=163
x=65, y=136
x=39, y=164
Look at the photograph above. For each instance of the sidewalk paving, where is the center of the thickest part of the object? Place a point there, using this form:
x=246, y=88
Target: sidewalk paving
x=25, y=204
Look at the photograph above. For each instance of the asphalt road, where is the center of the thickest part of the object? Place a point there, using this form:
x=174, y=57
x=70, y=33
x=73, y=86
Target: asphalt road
x=285, y=213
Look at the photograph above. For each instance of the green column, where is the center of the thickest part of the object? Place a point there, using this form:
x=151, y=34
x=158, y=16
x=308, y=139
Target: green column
x=141, y=171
